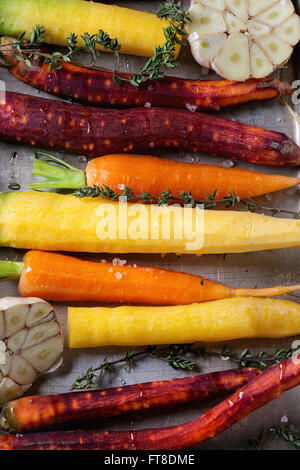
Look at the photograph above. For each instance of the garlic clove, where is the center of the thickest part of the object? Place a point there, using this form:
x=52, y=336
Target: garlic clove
x=260, y=64
x=232, y=61
x=41, y=332
x=206, y=48
x=15, y=319
x=289, y=31
x=44, y=354
x=277, y=50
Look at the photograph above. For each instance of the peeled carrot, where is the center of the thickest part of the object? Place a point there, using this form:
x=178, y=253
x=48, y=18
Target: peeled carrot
x=53, y=276
x=56, y=222
x=97, y=87
x=267, y=386
x=154, y=175
x=208, y=322
x=52, y=411
x=138, y=32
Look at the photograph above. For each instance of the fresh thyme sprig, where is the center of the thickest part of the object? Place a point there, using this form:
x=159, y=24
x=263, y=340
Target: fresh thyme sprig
x=288, y=433
x=284, y=431
x=185, y=197
x=30, y=51
x=260, y=361
x=164, y=56
x=174, y=356
x=179, y=357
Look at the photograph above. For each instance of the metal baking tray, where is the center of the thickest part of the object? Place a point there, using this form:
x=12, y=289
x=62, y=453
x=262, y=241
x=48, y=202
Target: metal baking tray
x=257, y=269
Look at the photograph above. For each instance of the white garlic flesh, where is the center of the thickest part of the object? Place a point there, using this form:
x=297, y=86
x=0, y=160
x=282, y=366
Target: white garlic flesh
x=31, y=343
x=240, y=39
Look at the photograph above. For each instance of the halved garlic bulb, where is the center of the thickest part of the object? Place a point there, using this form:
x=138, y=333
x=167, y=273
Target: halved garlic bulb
x=240, y=39
x=31, y=342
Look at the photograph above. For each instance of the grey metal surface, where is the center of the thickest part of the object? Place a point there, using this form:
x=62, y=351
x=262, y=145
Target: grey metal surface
x=246, y=270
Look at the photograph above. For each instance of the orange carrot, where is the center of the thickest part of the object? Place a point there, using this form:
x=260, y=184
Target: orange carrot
x=54, y=276
x=154, y=175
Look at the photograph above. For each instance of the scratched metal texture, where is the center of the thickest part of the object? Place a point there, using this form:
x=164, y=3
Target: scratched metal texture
x=259, y=269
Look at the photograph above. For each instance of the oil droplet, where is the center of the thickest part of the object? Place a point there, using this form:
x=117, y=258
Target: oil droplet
x=126, y=64
x=14, y=186
x=13, y=158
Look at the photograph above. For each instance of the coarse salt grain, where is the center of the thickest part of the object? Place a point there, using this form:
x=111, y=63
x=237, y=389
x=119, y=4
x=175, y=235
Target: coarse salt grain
x=119, y=262
x=118, y=275
x=191, y=107
x=228, y=163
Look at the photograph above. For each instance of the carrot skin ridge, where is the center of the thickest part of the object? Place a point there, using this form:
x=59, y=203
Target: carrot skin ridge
x=267, y=386
x=97, y=88
x=52, y=411
x=96, y=132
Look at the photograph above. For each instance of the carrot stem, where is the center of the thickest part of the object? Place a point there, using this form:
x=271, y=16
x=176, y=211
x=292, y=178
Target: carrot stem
x=10, y=270
x=64, y=176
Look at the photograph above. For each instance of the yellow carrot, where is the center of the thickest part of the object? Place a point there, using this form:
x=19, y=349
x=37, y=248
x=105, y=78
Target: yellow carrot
x=220, y=320
x=49, y=221
x=138, y=32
